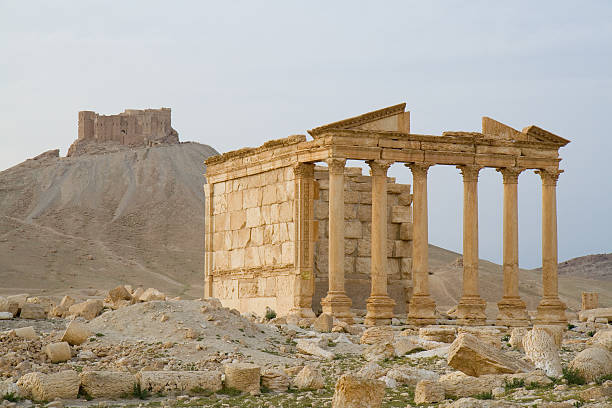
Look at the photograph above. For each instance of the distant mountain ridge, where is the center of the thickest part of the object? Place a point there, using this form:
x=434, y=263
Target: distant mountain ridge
x=597, y=266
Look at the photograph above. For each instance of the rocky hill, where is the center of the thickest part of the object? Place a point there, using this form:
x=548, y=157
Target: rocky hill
x=597, y=266
x=121, y=215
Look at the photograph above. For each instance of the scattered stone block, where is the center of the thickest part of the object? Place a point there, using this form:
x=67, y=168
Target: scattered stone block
x=107, y=384
x=311, y=347
x=324, y=323
x=404, y=345
x=555, y=331
x=442, y=334
x=151, y=294
x=119, y=293
x=377, y=334
x=33, y=311
x=378, y=352
x=590, y=300
x=26, y=333
x=355, y=392
x=87, y=310
x=474, y=357
x=602, y=338
x=243, y=376
x=58, y=352
x=489, y=335
x=592, y=363
x=516, y=337
x=542, y=351
x=4, y=304
x=179, y=382
x=66, y=302
x=20, y=300
x=410, y=376
x=592, y=314
x=427, y=392
x=47, y=387
x=309, y=378
x=275, y=380
x=371, y=371
x=76, y=333
x=457, y=384
x=6, y=315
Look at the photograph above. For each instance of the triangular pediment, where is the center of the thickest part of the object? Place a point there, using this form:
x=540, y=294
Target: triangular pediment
x=537, y=134
x=392, y=118
x=497, y=130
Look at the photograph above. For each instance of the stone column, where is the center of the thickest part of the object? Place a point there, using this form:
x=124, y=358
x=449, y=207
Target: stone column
x=336, y=303
x=512, y=310
x=303, y=285
x=471, y=307
x=550, y=310
x=208, y=237
x=379, y=304
x=421, y=307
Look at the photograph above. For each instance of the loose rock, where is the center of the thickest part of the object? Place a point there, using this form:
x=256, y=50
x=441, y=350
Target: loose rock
x=356, y=392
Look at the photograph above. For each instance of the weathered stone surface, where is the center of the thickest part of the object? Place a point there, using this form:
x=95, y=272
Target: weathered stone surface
x=243, y=376
x=427, y=392
x=275, y=380
x=410, y=376
x=477, y=403
x=4, y=304
x=309, y=378
x=458, y=384
x=442, y=334
x=6, y=315
x=404, y=345
x=371, y=371
x=356, y=392
x=377, y=334
x=516, y=337
x=555, y=331
x=8, y=387
x=179, y=382
x=20, y=299
x=541, y=349
x=311, y=347
x=76, y=333
x=151, y=294
x=66, y=302
x=474, y=357
x=88, y=309
x=58, y=352
x=119, y=293
x=27, y=332
x=489, y=335
x=47, y=387
x=32, y=311
x=592, y=314
x=324, y=323
x=602, y=338
x=378, y=352
x=592, y=363
x=107, y=384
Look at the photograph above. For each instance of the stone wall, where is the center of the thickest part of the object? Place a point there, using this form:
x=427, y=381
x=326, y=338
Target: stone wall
x=358, y=216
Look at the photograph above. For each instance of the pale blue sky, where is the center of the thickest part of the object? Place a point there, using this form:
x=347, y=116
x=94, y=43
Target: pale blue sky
x=239, y=73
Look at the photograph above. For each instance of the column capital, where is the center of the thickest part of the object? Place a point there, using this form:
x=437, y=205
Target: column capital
x=510, y=174
x=379, y=167
x=419, y=170
x=304, y=170
x=470, y=171
x=549, y=176
x=336, y=165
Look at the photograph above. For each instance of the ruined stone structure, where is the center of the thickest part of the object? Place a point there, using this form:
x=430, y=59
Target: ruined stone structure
x=131, y=128
x=262, y=218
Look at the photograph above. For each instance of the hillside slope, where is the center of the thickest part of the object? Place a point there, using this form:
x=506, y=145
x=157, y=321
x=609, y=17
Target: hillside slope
x=97, y=220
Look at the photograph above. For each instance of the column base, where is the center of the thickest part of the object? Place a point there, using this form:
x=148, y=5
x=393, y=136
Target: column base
x=338, y=305
x=380, y=310
x=302, y=313
x=551, y=311
x=421, y=310
x=512, y=312
x=471, y=311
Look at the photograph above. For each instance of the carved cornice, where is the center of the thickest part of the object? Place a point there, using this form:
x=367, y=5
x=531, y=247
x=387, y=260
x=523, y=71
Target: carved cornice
x=419, y=170
x=304, y=170
x=379, y=167
x=510, y=174
x=336, y=165
x=469, y=172
x=361, y=119
x=549, y=176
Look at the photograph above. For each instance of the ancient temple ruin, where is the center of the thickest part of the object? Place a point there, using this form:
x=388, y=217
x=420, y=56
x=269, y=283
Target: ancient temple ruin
x=279, y=227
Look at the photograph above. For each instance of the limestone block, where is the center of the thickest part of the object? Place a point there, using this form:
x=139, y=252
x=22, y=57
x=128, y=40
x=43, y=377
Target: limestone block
x=350, y=246
x=404, y=345
x=405, y=198
x=287, y=253
x=4, y=304
x=363, y=265
x=364, y=247
x=257, y=236
x=378, y=352
x=285, y=211
x=400, y=214
x=26, y=333
x=542, y=351
x=58, y=352
x=252, y=197
x=309, y=378
x=237, y=220
x=406, y=268
x=555, y=331
x=393, y=231
x=427, y=392
x=603, y=338
x=349, y=265
x=402, y=249
x=32, y=311
x=457, y=384
x=516, y=337
x=243, y=376
x=377, y=334
x=6, y=315
x=410, y=376
x=312, y=347
x=19, y=299
x=152, y=294
x=234, y=201
x=66, y=302
x=88, y=309
x=274, y=380
x=474, y=357
x=107, y=384
x=364, y=212
x=352, y=229
x=219, y=188
x=592, y=314
x=355, y=392
x=442, y=334
x=179, y=382
x=405, y=232
x=324, y=323
x=222, y=222
x=351, y=197
x=119, y=293
x=590, y=300
x=47, y=387
x=489, y=335
x=393, y=268
x=365, y=197
x=253, y=217
x=251, y=257
x=237, y=258
x=593, y=363
x=76, y=333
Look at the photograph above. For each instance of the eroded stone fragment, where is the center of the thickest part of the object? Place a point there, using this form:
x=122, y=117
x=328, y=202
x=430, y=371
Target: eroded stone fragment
x=107, y=384
x=58, y=352
x=47, y=387
x=76, y=333
x=309, y=378
x=427, y=392
x=541, y=349
x=179, y=382
x=592, y=363
x=355, y=392
x=243, y=376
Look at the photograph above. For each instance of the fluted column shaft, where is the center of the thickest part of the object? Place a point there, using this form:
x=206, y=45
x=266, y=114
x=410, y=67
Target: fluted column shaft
x=379, y=304
x=421, y=307
x=512, y=310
